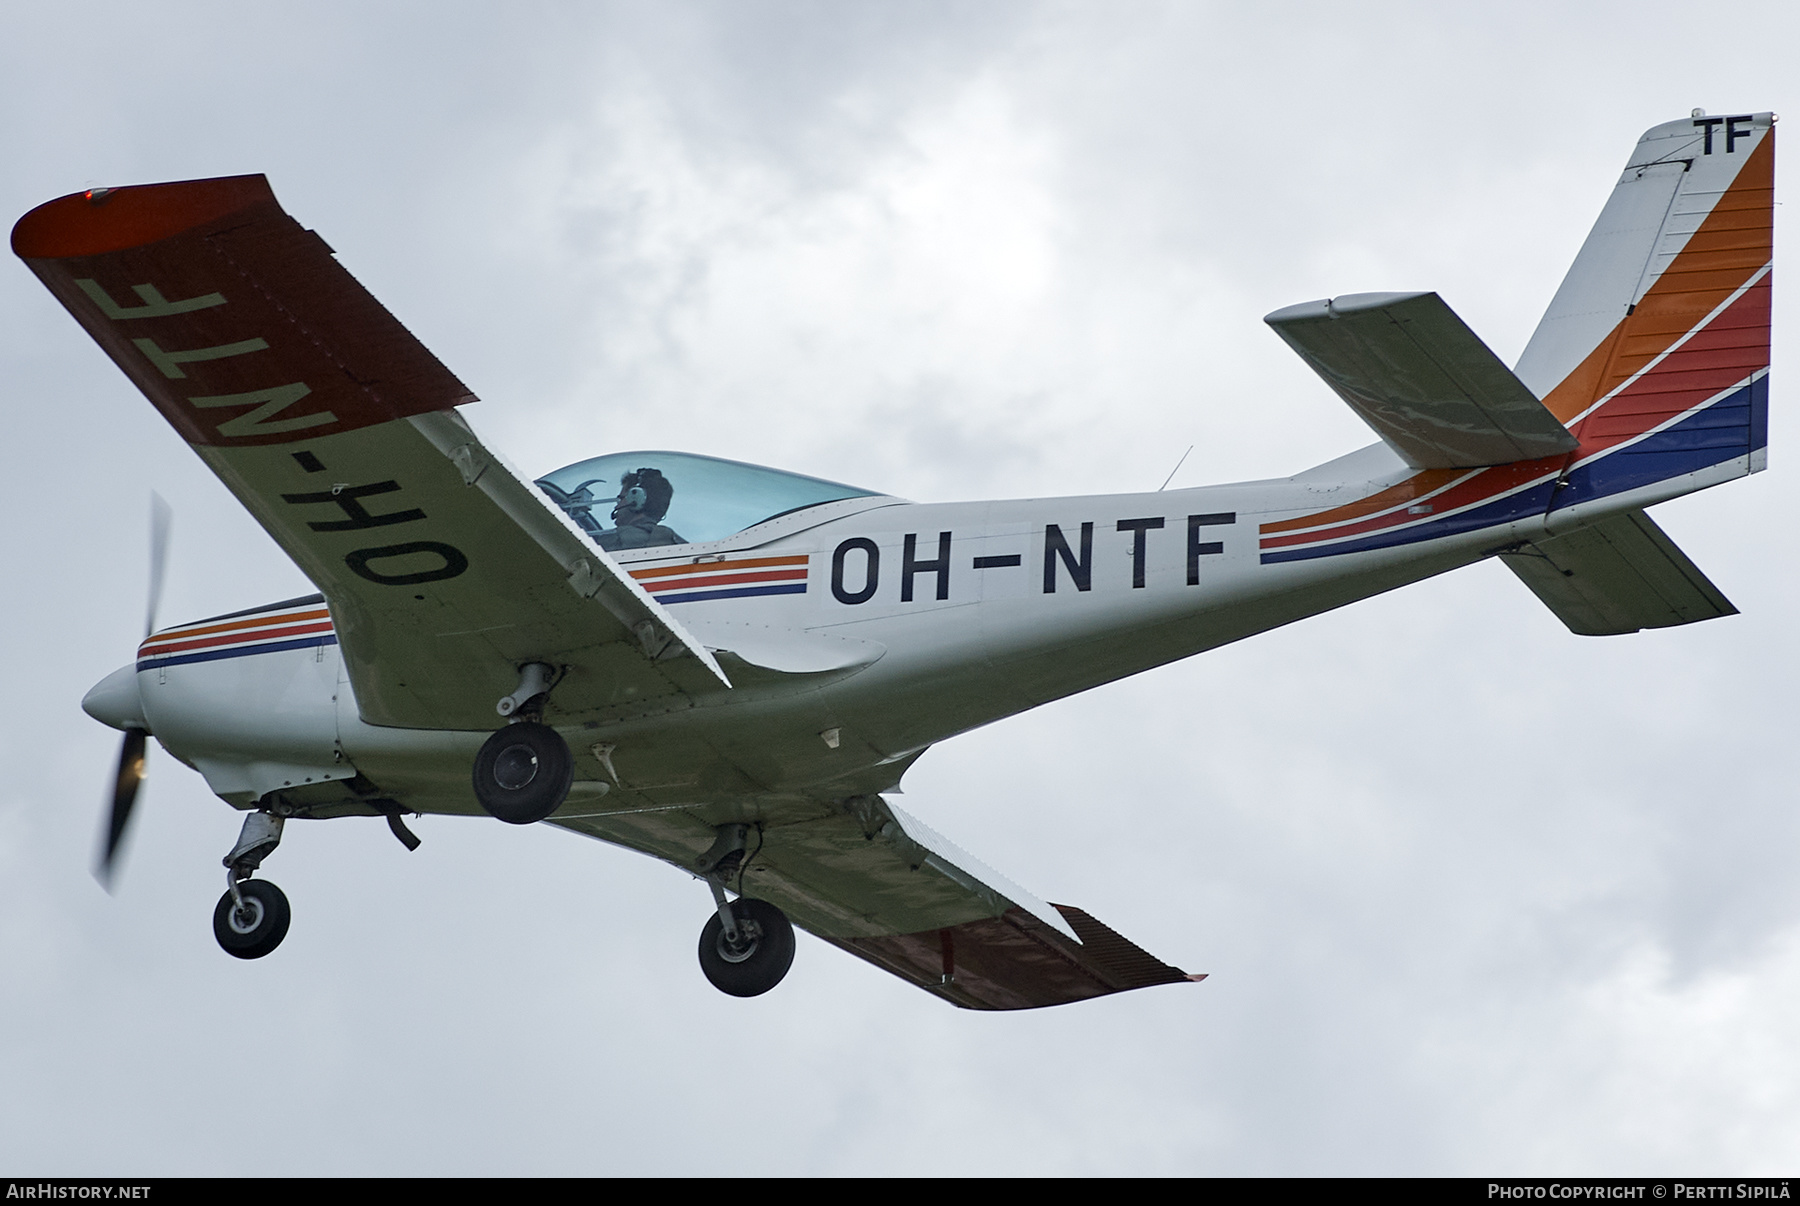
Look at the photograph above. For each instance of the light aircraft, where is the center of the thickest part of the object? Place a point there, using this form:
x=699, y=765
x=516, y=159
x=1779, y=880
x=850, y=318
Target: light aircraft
x=727, y=666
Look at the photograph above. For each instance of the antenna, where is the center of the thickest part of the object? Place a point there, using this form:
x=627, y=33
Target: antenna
x=1175, y=470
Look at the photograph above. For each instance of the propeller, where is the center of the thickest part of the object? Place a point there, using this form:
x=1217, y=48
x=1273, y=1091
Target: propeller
x=136, y=746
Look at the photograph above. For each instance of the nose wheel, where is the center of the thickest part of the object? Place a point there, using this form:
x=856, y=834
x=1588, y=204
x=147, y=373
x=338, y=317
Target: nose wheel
x=754, y=955
x=252, y=919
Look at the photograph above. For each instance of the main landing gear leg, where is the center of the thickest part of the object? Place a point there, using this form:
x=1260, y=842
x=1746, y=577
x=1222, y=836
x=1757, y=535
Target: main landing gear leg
x=747, y=945
x=252, y=917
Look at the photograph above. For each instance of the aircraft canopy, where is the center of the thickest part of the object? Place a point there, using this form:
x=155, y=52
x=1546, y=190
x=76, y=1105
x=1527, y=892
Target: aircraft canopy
x=684, y=499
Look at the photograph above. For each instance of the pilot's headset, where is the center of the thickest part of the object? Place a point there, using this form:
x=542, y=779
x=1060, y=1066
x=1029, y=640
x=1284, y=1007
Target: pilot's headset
x=647, y=492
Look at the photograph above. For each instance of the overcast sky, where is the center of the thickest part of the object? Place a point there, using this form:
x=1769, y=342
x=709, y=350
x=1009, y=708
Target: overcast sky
x=1477, y=895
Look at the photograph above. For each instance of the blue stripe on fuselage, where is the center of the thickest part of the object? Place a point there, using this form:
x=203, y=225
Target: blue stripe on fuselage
x=742, y=592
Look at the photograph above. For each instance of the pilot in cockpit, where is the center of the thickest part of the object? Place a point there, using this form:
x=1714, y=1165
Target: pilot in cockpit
x=644, y=497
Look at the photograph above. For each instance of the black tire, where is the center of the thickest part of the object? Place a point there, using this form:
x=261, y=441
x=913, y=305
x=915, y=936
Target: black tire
x=259, y=927
x=522, y=773
x=756, y=966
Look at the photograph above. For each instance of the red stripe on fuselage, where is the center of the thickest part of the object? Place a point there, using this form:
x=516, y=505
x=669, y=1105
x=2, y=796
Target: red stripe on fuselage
x=726, y=579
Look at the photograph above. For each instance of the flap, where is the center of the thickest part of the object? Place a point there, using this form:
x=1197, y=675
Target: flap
x=1016, y=962
x=1422, y=379
x=444, y=569
x=1619, y=575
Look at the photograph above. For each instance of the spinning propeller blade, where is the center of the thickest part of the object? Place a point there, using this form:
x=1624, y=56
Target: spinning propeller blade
x=136, y=745
x=125, y=790
x=162, y=518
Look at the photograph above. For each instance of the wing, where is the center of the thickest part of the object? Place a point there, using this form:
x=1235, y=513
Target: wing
x=444, y=569
x=868, y=878
x=1422, y=379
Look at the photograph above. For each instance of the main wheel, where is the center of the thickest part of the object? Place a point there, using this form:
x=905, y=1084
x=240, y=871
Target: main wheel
x=255, y=928
x=762, y=955
x=522, y=773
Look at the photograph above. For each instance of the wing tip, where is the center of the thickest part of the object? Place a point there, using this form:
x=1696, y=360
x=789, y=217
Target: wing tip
x=100, y=220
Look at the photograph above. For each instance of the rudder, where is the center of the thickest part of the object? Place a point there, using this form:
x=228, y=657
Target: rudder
x=1655, y=350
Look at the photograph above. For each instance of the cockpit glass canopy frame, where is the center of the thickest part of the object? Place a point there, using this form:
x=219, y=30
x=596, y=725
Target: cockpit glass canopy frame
x=629, y=500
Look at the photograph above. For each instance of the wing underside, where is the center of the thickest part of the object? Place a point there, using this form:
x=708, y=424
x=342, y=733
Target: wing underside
x=878, y=883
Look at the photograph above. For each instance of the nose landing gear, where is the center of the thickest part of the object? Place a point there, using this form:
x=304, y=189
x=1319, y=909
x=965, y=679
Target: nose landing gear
x=252, y=917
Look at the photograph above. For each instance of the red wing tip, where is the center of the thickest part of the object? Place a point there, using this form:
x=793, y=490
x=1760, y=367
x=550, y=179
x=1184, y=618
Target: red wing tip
x=99, y=220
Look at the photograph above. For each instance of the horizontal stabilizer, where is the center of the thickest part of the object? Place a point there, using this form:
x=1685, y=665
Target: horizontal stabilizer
x=1422, y=379
x=1617, y=576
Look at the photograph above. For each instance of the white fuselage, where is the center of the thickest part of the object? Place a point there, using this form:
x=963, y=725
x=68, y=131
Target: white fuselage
x=856, y=634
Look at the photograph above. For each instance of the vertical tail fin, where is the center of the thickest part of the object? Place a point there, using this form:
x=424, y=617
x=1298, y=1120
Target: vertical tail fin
x=1655, y=350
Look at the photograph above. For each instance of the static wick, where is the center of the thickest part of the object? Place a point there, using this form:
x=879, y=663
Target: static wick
x=1175, y=470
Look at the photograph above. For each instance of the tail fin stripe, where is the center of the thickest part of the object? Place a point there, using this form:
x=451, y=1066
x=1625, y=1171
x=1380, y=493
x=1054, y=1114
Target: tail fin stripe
x=1705, y=415
x=1749, y=320
x=1709, y=359
x=1729, y=249
x=1727, y=430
